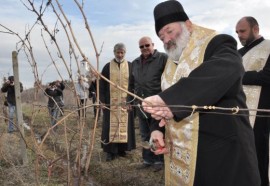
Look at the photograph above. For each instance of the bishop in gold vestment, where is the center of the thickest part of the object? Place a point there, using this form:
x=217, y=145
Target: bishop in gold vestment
x=202, y=147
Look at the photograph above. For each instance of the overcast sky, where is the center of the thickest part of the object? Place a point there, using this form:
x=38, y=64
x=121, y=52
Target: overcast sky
x=111, y=22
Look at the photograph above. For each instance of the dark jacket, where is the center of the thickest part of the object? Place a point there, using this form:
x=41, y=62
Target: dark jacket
x=55, y=95
x=93, y=89
x=147, y=76
x=10, y=89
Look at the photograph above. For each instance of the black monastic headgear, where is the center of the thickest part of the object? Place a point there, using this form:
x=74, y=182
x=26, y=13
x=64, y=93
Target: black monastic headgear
x=168, y=12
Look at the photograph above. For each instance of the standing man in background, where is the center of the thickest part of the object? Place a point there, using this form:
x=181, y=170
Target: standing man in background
x=54, y=92
x=61, y=103
x=118, y=133
x=93, y=95
x=82, y=87
x=9, y=88
x=256, y=81
x=5, y=103
x=146, y=71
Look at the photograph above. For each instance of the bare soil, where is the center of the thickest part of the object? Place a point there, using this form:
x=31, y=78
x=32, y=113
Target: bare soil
x=120, y=171
x=124, y=170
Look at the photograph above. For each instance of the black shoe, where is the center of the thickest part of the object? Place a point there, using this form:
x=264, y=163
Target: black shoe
x=158, y=167
x=143, y=166
x=122, y=153
x=110, y=156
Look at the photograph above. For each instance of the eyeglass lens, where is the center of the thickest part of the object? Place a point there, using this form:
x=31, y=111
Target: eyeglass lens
x=144, y=46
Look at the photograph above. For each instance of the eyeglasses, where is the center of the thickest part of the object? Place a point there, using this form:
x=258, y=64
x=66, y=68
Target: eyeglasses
x=144, y=46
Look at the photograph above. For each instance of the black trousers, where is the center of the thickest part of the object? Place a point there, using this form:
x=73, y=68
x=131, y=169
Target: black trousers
x=148, y=156
x=261, y=132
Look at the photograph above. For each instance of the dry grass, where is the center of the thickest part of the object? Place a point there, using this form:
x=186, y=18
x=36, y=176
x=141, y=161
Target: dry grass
x=49, y=164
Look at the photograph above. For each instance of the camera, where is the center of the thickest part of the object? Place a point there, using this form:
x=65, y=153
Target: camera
x=10, y=82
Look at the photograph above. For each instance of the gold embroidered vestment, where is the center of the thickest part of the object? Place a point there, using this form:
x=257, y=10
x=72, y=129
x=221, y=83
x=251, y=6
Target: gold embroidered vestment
x=119, y=74
x=254, y=60
x=182, y=137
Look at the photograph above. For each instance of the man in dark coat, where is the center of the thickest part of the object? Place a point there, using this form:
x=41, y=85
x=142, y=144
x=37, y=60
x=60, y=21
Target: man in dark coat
x=9, y=88
x=146, y=71
x=93, y=95
x=55, y=100
x=203, y=145
x=118, y=133
x=256, y=81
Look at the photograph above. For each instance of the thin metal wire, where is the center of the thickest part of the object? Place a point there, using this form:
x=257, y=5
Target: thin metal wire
x=205, y=109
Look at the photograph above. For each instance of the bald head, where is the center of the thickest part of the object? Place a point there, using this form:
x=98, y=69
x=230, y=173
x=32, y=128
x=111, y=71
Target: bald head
x=247, y=29
x=145, y=38
x=146, y=46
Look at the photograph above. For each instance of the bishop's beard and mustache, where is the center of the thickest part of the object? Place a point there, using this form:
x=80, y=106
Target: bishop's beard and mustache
x=175, y=48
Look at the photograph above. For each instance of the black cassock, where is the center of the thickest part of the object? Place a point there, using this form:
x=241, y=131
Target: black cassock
x=262, y=124
x=105, y=98
x=226, y=150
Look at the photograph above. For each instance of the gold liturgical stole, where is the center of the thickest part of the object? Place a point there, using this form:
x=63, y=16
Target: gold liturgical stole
x=254, y=60
x=182, y=137
x=119, y=74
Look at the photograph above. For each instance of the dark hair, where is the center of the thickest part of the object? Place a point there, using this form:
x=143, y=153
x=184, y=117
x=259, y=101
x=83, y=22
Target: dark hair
x=252, y=21
x=11, y=78
x=52, y=83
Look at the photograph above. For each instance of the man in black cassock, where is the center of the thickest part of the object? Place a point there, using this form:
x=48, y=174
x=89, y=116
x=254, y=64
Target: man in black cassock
x=203, y=146
x=256, y=81
x=118, y=133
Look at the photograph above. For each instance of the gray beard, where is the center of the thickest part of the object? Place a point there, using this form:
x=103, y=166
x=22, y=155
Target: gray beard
x=181, y=43
x=118, y=60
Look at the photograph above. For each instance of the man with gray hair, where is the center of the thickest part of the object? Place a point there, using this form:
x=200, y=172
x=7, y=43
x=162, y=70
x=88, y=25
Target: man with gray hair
x=118, y=133
x=202, y=146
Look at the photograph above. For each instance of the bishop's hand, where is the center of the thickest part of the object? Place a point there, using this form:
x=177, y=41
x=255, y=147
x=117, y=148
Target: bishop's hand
x=155, y=106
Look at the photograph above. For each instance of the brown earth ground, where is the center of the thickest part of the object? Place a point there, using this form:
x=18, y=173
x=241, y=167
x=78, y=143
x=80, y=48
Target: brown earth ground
x=121, y=171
